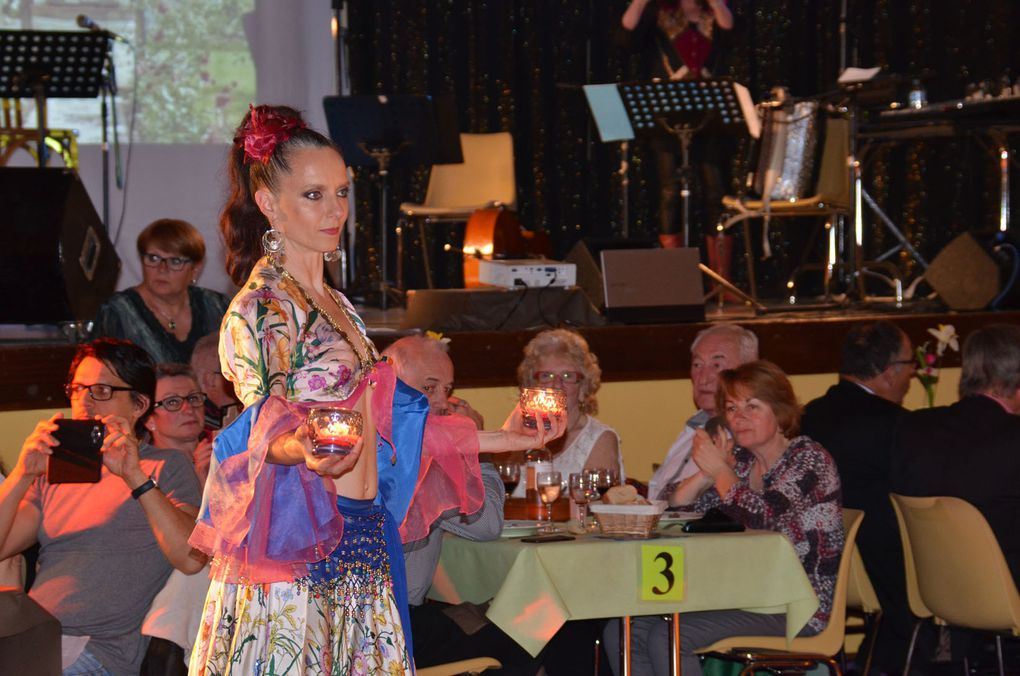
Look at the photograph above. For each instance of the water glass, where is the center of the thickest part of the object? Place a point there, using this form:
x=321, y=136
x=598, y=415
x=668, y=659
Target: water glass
x=582, y=491
x=549, y=487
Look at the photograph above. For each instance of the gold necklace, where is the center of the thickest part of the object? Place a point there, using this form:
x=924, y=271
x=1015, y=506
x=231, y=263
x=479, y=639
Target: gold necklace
x=170, y=322
x=366, y=362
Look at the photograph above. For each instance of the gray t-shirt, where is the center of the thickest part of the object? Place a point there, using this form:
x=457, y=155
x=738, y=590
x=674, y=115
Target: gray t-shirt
x=99, y=563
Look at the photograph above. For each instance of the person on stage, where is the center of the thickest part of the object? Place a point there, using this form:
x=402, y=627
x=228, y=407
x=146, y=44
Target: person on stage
x=308, y=573
x=680, y=40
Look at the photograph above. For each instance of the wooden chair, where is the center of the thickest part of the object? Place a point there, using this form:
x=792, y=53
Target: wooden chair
x=473, y=666
x=955, y=568
x=804, y=652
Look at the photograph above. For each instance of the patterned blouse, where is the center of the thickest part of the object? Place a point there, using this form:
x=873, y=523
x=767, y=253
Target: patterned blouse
x=802, y=500
x=275, y=342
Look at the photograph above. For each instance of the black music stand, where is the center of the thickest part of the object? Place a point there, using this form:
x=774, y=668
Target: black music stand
x=682, y=109
x=51, y=64
x=393, y=132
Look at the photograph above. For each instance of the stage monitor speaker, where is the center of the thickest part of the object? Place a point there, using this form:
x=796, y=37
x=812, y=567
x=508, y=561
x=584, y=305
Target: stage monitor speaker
x=586, y=255
x=56, y=262
x=653, y=286
x=964, y=275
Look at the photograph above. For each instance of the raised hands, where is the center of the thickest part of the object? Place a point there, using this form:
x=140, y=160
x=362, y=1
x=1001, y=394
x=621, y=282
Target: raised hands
x=712, y=455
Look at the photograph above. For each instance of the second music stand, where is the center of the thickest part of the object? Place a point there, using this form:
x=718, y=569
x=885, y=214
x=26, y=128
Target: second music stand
x=680, y=109
x=393, y=132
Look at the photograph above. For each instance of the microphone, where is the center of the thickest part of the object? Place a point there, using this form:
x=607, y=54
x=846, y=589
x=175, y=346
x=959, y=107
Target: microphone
x=85, y=21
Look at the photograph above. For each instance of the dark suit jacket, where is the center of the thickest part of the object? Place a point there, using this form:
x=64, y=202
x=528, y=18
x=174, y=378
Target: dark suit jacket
x=857, y=427
x=969, y=450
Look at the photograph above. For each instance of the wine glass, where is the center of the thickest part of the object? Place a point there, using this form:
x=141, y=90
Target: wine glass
x=582, y=490
x=603, y=478
x=510, y=473
x=549, y=488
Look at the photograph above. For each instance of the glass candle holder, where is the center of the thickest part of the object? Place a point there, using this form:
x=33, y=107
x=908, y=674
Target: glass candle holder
x=334, y=431
x=541, y=401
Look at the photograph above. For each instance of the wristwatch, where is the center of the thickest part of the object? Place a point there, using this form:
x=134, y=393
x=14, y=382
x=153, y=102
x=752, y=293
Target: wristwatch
x=145, y=487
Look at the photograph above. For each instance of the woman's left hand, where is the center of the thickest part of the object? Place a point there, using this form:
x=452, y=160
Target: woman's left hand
x=328, y=465
x=710, y=456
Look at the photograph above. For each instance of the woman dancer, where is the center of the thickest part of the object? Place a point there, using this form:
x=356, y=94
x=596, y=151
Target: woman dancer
x=308, y=570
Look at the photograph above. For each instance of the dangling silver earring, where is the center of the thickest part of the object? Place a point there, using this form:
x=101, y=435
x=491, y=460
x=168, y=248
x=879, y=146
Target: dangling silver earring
x=272, y=245
x=333, y=256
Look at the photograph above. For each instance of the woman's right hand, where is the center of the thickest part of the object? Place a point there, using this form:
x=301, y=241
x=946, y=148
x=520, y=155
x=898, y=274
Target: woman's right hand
x=332, y=466
x=712, y=456
x=37, y=448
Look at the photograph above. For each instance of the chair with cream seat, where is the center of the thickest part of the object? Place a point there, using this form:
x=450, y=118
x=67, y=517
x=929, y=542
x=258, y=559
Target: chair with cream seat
x=803, y=652
x=960, y=576
x=485, y=180
x=862, y=602
x=475, y=665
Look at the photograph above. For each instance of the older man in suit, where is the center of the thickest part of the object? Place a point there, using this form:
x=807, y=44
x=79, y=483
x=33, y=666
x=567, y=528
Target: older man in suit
x=855, y=421
x=971, y=450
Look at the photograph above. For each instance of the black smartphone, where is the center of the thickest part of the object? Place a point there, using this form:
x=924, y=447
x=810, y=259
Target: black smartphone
x=554, y=537
x=76, y=460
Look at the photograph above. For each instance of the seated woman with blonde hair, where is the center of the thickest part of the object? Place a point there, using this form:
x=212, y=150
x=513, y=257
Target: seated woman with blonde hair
x=561, y=359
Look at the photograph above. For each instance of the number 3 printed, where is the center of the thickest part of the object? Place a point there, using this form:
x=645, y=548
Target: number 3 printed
x=662, y=573
x=667, y=563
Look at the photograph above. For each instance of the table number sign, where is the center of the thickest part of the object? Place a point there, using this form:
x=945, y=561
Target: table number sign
x=662, y=573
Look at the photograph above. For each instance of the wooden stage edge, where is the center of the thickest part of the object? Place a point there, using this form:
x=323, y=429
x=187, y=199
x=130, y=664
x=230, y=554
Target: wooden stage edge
x=801, y=343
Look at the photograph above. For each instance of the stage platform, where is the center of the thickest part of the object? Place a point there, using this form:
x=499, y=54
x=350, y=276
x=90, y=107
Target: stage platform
x=800, y=341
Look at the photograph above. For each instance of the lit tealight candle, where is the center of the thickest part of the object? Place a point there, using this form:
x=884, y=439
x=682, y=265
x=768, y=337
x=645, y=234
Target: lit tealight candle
x=543, y=401
x=334, y=430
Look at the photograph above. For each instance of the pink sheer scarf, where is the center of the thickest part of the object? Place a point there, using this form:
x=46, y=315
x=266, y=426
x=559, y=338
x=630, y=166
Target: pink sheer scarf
x=265, y=522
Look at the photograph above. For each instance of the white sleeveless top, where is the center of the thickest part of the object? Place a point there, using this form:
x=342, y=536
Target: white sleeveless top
x=574, y=456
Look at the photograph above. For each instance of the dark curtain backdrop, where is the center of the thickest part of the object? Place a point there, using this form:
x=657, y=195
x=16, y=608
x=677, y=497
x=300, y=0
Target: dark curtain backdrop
x=517, y=65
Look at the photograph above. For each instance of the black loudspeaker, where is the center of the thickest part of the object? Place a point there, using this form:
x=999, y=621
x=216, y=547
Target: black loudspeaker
x=587, y=256
x=56, y=262
x=964, y=275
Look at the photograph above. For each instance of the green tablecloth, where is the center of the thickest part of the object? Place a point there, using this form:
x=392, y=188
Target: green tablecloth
x=535, y=588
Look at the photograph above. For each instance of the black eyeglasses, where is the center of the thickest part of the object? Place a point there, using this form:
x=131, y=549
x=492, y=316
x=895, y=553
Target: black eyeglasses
x=174, y=403
x=98, y=391
x=175, y=263
x=903, y=362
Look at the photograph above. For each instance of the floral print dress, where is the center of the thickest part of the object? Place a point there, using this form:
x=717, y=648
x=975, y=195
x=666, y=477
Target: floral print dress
x=344, y=616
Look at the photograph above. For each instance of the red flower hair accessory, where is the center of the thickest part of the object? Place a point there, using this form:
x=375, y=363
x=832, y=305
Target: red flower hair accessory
x=264, y=130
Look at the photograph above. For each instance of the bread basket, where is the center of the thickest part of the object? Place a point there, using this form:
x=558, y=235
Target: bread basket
x=628, y=520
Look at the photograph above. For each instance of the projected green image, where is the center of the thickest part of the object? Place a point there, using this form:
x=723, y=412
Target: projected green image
x=195, y=72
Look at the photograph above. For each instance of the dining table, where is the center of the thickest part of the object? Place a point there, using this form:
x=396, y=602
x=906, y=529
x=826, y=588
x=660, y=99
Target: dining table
x=534, y=588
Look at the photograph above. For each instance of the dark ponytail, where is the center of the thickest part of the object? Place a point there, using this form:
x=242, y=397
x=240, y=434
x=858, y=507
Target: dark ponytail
x=242, y=223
